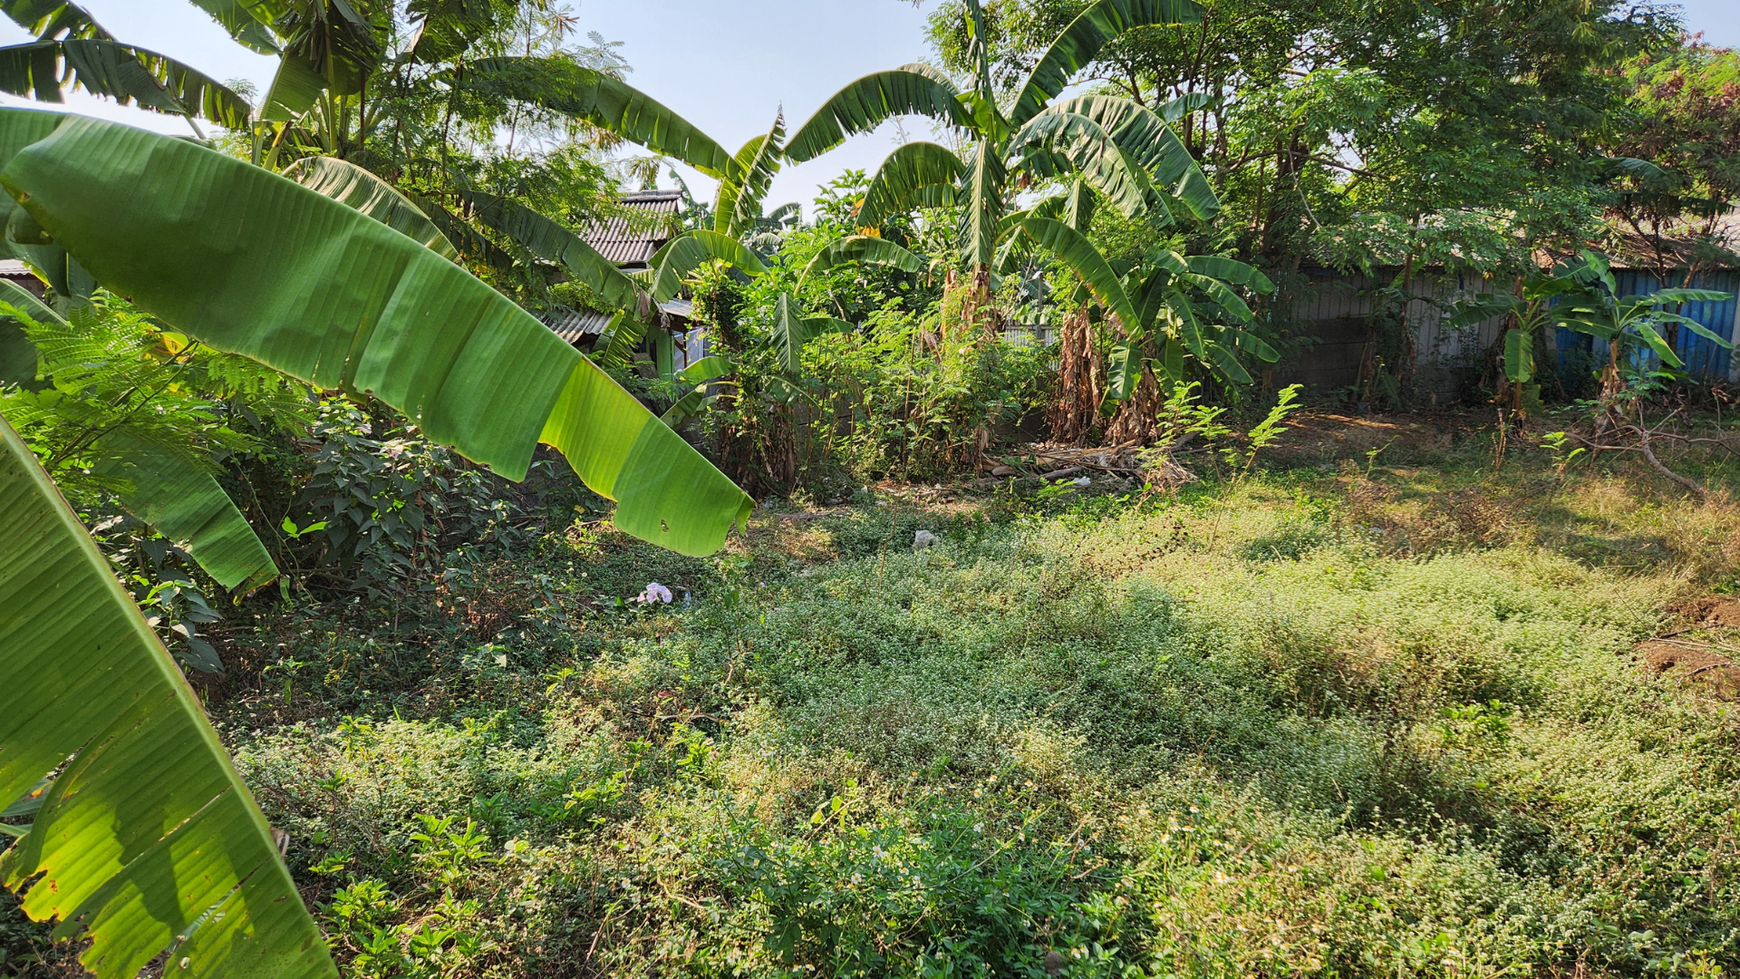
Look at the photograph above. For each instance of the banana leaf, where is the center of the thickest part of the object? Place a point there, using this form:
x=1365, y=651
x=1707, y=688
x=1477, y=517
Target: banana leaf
x=148, y=839
x=862, y=248
x=1080, y=43
x=18, y=357
x=874, y=99
x=560, y=85
x=1074, y=250
x=738, y=206
x=908, y=170
x=682, y=255
x=253, y=264
x=355, y=187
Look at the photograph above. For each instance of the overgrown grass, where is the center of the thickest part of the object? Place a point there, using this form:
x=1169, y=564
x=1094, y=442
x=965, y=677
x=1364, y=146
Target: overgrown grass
x=1357, y=716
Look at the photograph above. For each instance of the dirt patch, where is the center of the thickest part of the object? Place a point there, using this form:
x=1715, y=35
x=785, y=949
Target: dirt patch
x=1695, y=663
x=1709, y=612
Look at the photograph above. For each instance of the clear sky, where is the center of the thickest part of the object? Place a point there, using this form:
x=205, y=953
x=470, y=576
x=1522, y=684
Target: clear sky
x=727, y=67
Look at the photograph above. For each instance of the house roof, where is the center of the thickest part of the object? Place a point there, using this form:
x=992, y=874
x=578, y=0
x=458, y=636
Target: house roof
x=575, y=325
x=631, y=243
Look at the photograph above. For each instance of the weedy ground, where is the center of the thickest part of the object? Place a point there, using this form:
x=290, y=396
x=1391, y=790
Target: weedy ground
x=1378, y=709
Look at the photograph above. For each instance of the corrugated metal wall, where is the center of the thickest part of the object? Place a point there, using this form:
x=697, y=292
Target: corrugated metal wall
x=1335, y=310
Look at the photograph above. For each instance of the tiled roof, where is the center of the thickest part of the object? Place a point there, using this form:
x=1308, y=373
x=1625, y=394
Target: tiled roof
x=620, y=242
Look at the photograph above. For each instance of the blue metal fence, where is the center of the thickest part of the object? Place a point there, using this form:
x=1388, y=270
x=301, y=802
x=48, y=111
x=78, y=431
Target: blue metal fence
x=1703, y=358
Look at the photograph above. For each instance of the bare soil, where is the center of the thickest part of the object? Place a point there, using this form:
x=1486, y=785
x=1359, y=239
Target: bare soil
x=1710, y=665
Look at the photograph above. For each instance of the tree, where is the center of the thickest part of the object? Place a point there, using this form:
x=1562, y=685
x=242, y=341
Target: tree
x=1124, y=150
x=148, y=835
x=1685, y=120
x=1353, y=122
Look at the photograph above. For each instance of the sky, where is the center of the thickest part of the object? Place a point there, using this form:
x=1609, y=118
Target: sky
x=726, y=67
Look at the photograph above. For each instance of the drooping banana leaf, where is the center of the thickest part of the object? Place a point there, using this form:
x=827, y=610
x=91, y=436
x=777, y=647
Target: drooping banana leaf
x=700, y=374
x=148, y=839
x=1147, y=137
x=982, y=216
x=1176, y=109
x=127, y=74
x=1081, y=42
x=1694, y=326
x=874, y=99
x=1519, y=355
x=71, y=48
x=266, y=268
x=1090, y=151
x=682, y=255
x=185, y=504
x=355, y=187
x=553, y=243
x=560, y=85
x=907, y=171
x=164, y=489
x=1231, y=271
x=861, y=248
x=1220, y=294
x=618, y=342
x=18, y=357
x=1074, y=250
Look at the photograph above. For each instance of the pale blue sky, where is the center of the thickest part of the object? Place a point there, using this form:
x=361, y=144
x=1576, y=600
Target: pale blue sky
x=727, y=67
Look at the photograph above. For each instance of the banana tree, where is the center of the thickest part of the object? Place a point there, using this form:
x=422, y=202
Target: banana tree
x=1125, y=151
x=1527, y=312
x=147, y=841
x=1166, y=308
x=1583, y=296
x=1630, y=325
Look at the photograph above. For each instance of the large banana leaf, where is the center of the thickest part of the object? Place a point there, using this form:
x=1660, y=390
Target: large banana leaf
x=862, y=248
x=1147, y=136
x=355, y=187
x=1091, y=152
x=682, y=255
x=874, y=99
x=560, y=85
x=982, y=217
x=129, y=75
x=1074, y=250
x=147, y=839
x=908, y=170
x=1081, y=41
x=257, y=265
